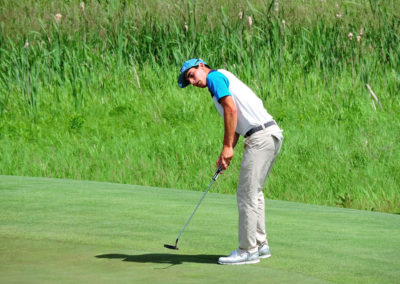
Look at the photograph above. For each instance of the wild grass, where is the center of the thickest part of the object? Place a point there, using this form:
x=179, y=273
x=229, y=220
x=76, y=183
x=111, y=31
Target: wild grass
x=93, y=95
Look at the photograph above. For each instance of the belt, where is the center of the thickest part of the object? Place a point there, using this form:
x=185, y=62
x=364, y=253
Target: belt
x=258, y=128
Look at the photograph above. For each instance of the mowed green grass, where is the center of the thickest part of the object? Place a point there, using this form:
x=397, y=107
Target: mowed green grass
x=88, y=232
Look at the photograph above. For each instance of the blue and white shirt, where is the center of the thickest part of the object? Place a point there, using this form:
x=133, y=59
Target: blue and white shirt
x=250, y=108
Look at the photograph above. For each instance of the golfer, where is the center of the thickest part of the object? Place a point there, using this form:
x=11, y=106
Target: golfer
x=244, y=114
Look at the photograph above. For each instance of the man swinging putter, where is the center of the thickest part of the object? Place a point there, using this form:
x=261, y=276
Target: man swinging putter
x=244, y=114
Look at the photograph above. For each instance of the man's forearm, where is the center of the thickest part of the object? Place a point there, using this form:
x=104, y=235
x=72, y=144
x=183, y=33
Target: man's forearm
x=230, y=121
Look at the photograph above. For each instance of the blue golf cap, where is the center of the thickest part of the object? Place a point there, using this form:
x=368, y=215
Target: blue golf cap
x=185, y=67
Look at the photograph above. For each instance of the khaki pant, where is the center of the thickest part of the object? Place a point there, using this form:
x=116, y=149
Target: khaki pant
x=261, y=150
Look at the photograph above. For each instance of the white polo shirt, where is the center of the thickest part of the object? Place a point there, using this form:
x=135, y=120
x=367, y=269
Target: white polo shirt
x=250, y=109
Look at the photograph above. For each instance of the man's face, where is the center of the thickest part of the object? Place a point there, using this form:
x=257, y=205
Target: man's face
x=197, y=76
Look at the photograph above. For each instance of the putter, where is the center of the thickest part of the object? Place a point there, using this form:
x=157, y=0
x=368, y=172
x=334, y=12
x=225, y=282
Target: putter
x=197, y=206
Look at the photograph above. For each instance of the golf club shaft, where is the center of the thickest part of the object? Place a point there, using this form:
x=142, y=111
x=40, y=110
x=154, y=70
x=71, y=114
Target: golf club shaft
x=201, y=199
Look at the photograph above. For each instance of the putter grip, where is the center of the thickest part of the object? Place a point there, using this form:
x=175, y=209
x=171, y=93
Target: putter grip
x=217, y=173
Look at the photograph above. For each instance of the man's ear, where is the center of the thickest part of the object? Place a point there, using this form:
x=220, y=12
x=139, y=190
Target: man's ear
x=201, y=65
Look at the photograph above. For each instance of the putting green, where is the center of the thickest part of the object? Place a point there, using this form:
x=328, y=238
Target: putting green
x=83, y=232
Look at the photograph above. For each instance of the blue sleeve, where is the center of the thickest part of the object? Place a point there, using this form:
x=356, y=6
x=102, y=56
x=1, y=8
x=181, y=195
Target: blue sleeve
x=218, y=85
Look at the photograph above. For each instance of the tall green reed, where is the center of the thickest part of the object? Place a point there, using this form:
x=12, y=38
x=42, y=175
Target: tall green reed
x=99, y=86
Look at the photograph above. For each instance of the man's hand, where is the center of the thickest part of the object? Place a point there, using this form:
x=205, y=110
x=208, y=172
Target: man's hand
x=225, y=157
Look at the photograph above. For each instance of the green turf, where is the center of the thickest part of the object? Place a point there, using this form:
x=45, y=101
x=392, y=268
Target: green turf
x=87, y=232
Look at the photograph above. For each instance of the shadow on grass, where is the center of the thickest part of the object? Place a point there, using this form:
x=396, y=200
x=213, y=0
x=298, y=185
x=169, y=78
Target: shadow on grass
x=163, y=258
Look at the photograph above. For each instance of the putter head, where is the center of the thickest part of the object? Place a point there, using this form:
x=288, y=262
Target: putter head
x=170, y=247
x=173, y=247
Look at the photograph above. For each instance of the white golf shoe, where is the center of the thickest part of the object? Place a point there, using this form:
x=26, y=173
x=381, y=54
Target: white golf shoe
x=239, y=257
x=263, y=251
